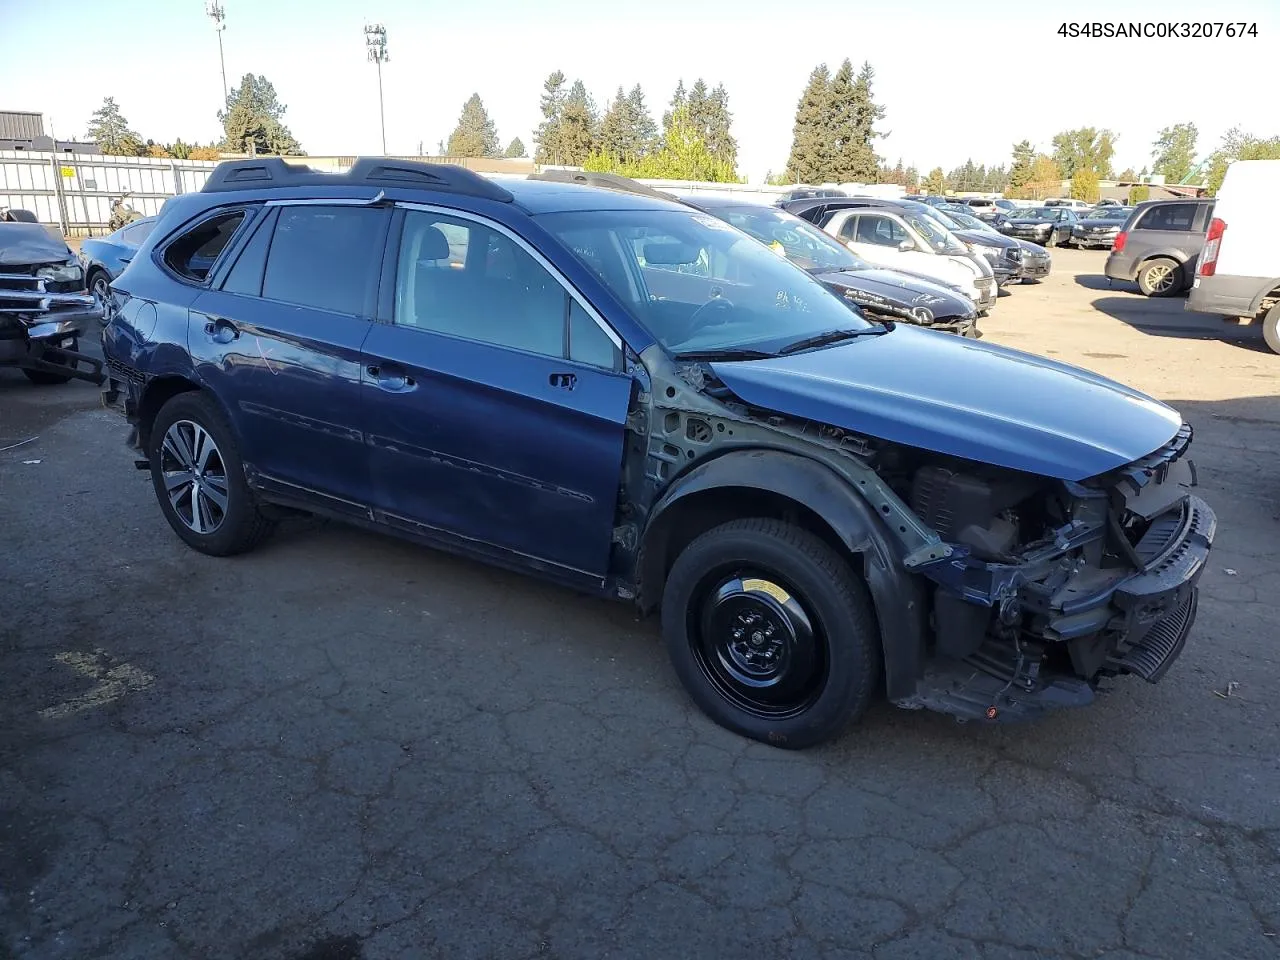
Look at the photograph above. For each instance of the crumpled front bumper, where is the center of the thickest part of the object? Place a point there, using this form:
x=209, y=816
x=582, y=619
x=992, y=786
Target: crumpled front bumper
x=46, y=343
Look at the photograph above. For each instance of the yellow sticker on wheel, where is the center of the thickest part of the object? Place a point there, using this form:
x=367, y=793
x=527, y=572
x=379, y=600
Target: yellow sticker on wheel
x=764, y=586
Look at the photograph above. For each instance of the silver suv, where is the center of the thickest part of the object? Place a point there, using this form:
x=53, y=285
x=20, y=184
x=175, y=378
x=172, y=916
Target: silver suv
x=1158, y=245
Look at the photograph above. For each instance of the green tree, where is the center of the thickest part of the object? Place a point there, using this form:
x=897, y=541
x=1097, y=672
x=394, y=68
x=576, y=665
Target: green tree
x=679, y=99
x=683, y=155
x=1024, y=158
x=1084, y=186
x=867, y=113
x=1046, y=178
x=516, y=149
x=253, y=123
x=1127, y=174
x=912, y=178
x=719, y=130
x=1237, y=145
x=578, y=126
x=1138, y=193
x=179, y=150
x=1087, y=148
x=475, y=134
x=616, y=127
x=1174, y=151
x=110, y=131
x=811, y=159
x=996, y=179
x=935, y=182
x=646, y=130
x=547, y=136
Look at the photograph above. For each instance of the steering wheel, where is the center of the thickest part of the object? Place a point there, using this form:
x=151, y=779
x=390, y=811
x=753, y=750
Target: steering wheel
x=715, y=303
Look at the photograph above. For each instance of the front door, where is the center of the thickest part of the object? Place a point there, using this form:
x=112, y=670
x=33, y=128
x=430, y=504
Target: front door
x=495, y=402
x=280, y=340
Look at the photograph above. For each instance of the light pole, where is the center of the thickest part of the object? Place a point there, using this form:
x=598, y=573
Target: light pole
x=375, y=42
x=213, y=10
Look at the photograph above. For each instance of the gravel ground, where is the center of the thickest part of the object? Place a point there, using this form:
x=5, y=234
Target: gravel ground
x=343, y=746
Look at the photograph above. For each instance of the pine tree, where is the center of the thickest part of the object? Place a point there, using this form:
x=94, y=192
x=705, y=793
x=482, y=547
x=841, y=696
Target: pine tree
x=252, y=120
x=936, y=182
x=811, y=159
x=578, y=126
x=678, y=100
x=720, y=139
x=110, y=131
x=646, y=131
x=516, y=149
x=867, y=113
x=912, y=178
x=547, y=136
x=843, y=122
x=475, y=135
x=1024, y=156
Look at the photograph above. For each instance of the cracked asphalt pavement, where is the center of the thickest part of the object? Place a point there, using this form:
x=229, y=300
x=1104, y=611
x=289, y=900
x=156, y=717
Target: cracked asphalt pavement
x=343, y=746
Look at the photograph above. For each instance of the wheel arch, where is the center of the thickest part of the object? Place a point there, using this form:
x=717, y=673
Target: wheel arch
x=775, y=483
x=1270, y=292
x=155, y=394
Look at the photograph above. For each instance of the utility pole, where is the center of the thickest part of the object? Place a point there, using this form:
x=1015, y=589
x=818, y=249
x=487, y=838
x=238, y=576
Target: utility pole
x=214, y=11
x=375, y=42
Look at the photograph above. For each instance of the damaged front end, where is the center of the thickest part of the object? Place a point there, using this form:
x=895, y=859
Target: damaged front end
x=44, y=309
x=1052, y=586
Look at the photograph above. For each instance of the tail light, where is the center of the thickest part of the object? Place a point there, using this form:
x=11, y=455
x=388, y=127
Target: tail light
x=1212, y=244
x=1121, y=239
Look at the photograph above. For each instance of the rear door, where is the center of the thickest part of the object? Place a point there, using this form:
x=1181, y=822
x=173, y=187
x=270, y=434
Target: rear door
x=495, y=398
x=279, y=341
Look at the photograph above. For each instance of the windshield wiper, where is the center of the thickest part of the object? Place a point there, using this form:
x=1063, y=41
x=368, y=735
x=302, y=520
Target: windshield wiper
x=729, y=353
x=831, y=336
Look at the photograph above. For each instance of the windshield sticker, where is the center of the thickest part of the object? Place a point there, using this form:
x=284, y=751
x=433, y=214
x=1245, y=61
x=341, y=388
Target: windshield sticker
x=711, y=223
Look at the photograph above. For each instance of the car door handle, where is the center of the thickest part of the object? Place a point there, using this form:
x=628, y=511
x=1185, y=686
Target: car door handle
x=390, y=379
x=221, y=330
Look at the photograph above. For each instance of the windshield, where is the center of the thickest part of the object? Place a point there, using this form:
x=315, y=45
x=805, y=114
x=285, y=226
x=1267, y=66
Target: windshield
x=699, y=285
x=798, y=240
x=1039, y=213
x=938, y=236
x=1107, y=213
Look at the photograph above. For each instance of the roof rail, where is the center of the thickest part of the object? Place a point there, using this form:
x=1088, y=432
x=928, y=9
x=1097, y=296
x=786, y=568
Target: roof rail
x=365, y=171
x=609, y=181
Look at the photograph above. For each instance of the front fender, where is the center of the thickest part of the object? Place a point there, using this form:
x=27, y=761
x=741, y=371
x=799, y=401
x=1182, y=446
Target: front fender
x=899, y=597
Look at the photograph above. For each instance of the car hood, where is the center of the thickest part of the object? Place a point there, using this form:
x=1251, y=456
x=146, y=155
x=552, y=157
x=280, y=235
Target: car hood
x=964, y=398
x=984, y=238
x=25, y=244
x=901, y=291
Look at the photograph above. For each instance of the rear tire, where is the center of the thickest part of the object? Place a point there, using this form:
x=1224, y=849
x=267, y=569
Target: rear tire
x=771, y=632
x=1271, y=328
x=1160, y=277
x=199, y=478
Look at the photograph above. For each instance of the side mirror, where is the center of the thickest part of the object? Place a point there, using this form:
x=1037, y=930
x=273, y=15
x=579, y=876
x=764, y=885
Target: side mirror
x=906, y=246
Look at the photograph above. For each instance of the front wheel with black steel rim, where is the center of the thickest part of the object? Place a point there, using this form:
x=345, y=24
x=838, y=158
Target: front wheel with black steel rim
x=771, y=632
x=1160, y=277
x=199, y=479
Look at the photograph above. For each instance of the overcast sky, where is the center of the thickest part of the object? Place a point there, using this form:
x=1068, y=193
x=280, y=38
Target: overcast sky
x=959, y=80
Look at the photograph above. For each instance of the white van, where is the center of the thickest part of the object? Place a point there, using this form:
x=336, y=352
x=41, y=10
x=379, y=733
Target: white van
x=1238, y=270
x=914, y=243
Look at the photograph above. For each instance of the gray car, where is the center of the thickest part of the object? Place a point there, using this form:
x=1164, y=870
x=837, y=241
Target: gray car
x=1158, y=245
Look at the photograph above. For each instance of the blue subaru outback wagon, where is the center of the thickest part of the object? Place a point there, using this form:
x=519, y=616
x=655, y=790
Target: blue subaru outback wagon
x=630, y=397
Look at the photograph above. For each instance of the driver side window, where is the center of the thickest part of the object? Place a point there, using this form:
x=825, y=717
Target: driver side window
x=880, y=230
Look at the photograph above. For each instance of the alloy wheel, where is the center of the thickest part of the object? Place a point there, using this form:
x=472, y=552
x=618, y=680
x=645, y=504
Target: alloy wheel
x=1159, y=278
x=195, y=477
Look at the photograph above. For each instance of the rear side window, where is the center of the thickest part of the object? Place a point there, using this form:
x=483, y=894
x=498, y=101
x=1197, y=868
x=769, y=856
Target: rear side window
x=246, y=274
x=325, y=257
x=193, y=254
x=1169, y=216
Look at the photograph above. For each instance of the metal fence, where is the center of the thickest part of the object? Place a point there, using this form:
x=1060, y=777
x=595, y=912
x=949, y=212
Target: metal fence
x=75, y=191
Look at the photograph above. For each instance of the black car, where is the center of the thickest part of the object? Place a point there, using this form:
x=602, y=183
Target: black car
x=881, y=294
x=1050, y=226
x=44, y=306
x=1098, y=227
x=1034, y=259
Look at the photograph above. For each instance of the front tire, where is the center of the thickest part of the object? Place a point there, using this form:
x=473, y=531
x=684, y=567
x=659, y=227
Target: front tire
x=1161, y=277
x=1271, y=328
x=199, y=478
x=771, y=632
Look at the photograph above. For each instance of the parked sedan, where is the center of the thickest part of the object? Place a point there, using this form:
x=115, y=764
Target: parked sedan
x=103, y=258
x=1003, y=253
x=1098, y=227
x=1050, y=226
x=1034, y=260
x=880, y=294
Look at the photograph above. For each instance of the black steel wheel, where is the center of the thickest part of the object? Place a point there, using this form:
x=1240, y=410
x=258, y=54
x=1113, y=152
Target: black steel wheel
x=771, y=632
